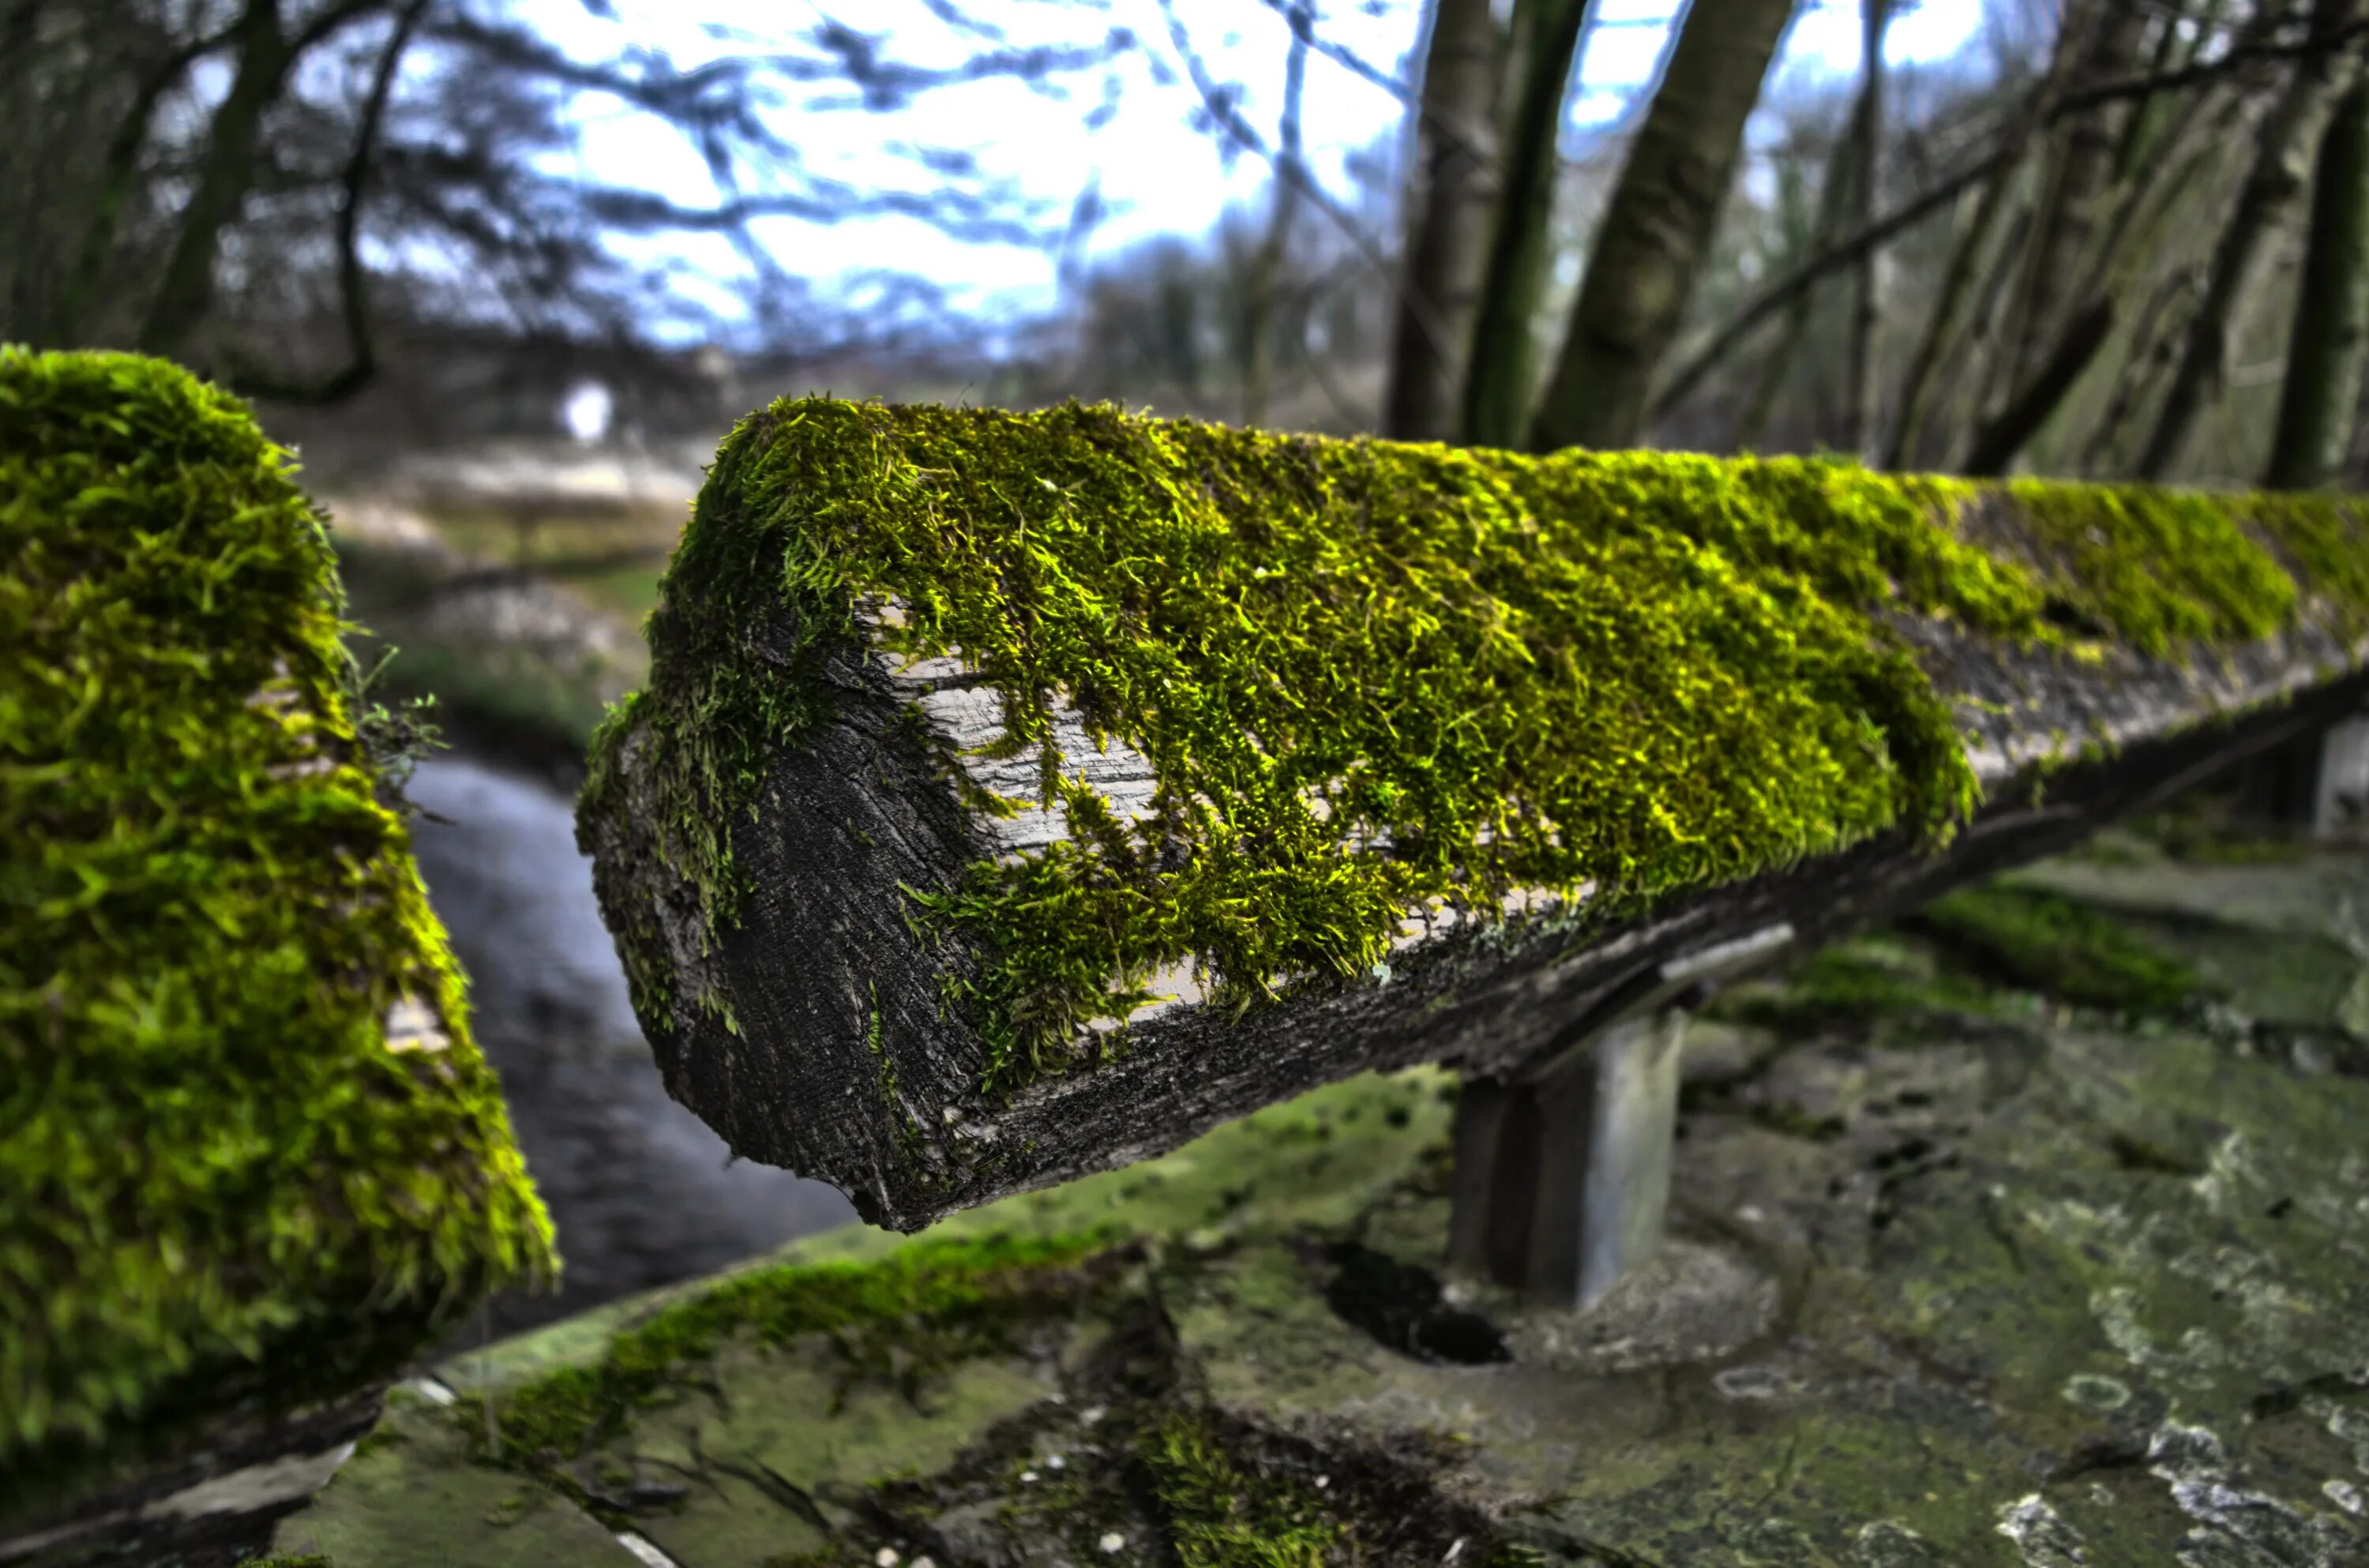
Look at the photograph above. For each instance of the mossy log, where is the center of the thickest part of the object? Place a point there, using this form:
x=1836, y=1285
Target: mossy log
x=250, y=1162
x=1018, y=796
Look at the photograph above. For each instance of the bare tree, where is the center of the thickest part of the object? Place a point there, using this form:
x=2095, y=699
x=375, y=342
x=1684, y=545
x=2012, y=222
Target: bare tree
x=413, y=125
x=1866, y=146
x=2272, y=187
x=1544, y=51
x=2331, y=320
x=1266, y=284
x=1452, y=191
x=1658, y=226
x=2102, y=43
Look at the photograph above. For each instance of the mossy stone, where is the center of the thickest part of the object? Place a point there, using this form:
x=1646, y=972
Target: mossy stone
x=250, y=1156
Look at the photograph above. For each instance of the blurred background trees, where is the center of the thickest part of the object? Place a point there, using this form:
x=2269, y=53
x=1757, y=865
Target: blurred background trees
x=2095, y=241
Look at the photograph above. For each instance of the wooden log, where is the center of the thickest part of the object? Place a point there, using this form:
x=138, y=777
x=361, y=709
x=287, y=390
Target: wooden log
x=968, y=732
x=250, y=1162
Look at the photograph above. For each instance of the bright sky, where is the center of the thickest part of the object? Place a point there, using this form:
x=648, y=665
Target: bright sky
x=1151, y=164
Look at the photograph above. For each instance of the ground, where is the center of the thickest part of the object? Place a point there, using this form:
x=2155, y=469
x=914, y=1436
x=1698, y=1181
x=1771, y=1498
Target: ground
x=1963, y=1273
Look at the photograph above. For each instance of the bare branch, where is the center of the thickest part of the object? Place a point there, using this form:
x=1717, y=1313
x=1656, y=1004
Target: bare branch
x=353, y=292
x=2006, y=148
x=1220, y=102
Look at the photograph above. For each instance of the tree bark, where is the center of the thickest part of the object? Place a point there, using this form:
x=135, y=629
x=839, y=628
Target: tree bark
x=1503, y=374
x=1448, y=223
x=1867, y=139
x=2271, y=186
x=2075, y=194
x=1834, y=197
x=1942, y=321
x=2331, y=320
x=1998, y=444
x=186, y=293
x=1659, y=224
x=2120, y=255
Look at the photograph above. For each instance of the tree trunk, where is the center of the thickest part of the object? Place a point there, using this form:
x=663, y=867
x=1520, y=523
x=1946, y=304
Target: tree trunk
x=2331, y=320
x=1833, y=196
x=2145, y=125
x=185, y=294
x=2122, y=254
x=2077, y=193
x=1503, y=377
x=1659, y=224
x=1448, y=221
x=1966, y=262
x=1867, y=139
x=1266, y=271
x=2270, y=188
x=1998, y=444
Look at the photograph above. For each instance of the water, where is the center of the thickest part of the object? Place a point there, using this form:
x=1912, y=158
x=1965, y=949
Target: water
x=642, y=1192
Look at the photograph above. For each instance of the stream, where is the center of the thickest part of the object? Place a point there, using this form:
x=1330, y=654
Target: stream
x=642, y=1192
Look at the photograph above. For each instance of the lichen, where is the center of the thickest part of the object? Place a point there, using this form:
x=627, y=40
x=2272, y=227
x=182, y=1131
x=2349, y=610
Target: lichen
x=218, y=1181
x=1371, y=676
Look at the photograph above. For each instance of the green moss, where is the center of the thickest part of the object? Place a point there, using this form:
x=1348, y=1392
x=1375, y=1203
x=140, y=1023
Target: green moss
x=1643, y=671
x=932, y=1298
x=2041, y=942
x=2159, y=568
x=1855, y=982
x=1219, y=1517
x=218, y=1182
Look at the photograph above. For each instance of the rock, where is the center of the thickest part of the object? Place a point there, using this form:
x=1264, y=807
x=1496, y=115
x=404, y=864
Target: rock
x=2032, y=1287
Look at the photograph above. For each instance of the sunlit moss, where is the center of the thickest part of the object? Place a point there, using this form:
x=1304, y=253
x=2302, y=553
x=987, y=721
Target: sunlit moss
x=1639, y=671
x=954, y=1296
x=221, y=1182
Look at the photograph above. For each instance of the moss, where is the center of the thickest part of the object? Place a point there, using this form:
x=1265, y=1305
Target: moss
x=219, y=1182
x=1643, y=671
x=931, y=1298
x=1219, y=1517
x=2041, y=942
x=1851, y=982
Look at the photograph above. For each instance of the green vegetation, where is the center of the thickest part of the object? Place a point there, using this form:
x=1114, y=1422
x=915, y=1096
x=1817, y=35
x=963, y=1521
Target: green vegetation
x=1643, y=672
x=935, y=1298
x=1219, y=1517
x=530, y=696
x=2037, y=940
x=224, y=1174
x=1854, y=981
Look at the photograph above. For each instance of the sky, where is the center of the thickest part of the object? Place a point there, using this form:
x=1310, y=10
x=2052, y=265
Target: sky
x=1154, y=169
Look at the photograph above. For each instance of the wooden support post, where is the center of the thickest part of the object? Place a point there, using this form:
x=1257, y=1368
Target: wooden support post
x=1562, y=1176
x=2317, y=784
x=2340, y=792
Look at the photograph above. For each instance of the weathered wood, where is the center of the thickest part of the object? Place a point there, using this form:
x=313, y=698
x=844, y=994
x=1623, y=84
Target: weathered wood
x=836, y=1052
x=1563, y=1172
